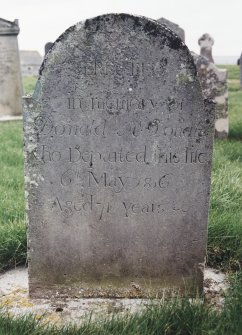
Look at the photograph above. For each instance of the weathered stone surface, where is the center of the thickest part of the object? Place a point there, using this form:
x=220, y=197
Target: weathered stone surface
x=10, y=76
x=118, y=149
x=174, y=27
x=206, y=43
x=214, y=86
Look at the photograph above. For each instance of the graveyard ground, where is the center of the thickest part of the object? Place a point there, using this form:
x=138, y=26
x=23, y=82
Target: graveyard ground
x=224, y=243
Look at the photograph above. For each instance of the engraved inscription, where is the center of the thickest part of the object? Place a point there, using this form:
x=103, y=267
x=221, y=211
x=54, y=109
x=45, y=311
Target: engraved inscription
x=145, y=155
x=117, y=105
x=88, y=204
x=89, y=179
x=100, y=68
x=108, y=127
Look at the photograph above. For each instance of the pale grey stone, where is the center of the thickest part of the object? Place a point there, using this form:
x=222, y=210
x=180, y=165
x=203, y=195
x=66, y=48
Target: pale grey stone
x=174, y=27
x=14, y=300
x=10, y=75
x=206, y=43
x=118, y=150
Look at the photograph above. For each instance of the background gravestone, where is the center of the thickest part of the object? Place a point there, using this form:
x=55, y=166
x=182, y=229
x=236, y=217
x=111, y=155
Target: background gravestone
x=174, y=27
x=10, y=75
x=213, y=81
x=206, y=43
x=48, y=46
x=118, y=149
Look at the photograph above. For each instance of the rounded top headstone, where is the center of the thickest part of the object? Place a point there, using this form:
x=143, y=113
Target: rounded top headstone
x=118, y=145
x=118, y=38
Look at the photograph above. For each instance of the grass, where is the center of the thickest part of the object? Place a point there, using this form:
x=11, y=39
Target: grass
x=233, y=71
x=29, y=84
x=225, y=223
x=12, y=227
x=224, y=239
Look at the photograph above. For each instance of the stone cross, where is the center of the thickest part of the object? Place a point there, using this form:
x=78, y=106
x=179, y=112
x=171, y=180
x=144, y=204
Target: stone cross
x=10, y=74
x=206, y=43
x=214, y=86
x=118, y=152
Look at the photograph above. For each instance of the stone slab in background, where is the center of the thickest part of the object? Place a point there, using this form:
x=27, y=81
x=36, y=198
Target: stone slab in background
x=118, y=149
x=174, y=27
x=10, y=75
x=213, y=81
x=48, y=46
x=214, y=86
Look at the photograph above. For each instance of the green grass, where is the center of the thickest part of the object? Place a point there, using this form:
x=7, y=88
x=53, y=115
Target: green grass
x=233, y=71
x=235, y=111
x=225, y=224
x=224, y=240
x=29, y=84
x=12, y=227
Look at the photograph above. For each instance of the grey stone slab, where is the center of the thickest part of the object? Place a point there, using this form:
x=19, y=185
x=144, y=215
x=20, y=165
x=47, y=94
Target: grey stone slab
x=14, y=300
x=118, y=150
x=10, y=76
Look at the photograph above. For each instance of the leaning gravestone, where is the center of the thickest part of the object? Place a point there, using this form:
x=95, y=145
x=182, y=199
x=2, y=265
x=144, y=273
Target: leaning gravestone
x=10, y=74
x=118, y=149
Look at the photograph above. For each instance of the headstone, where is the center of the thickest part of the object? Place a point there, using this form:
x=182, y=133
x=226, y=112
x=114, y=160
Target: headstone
x=214, y=84
x=240, y=70
x=31, y=61
x=10, y=75
x=174, y=27
x=118, y=150
x=206, y=43
x=48, y=46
